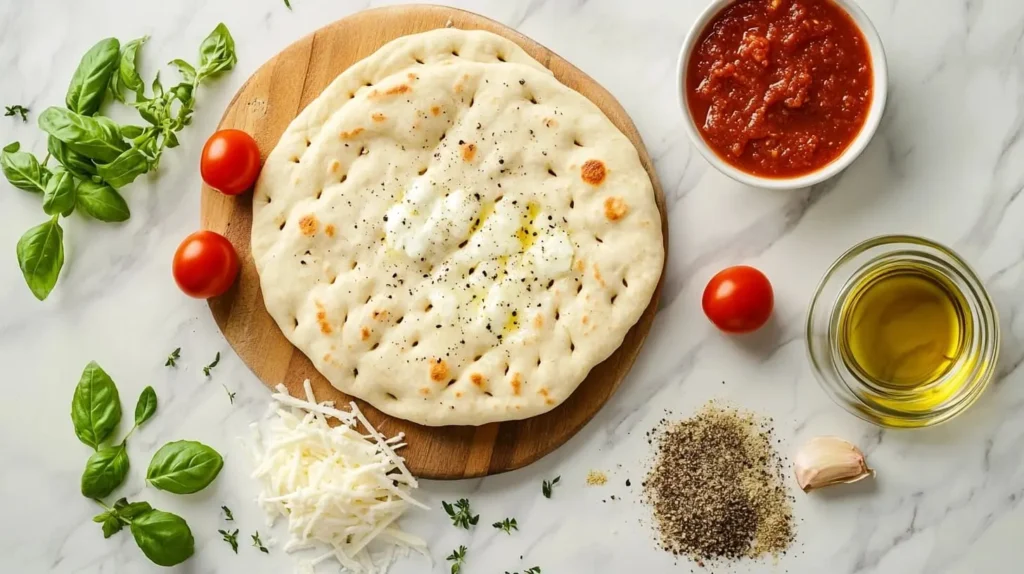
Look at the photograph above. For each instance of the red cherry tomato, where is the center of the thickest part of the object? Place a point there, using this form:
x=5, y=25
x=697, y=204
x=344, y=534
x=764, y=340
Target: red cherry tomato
x=205, y=265
x=230, y=161
x=738, y=299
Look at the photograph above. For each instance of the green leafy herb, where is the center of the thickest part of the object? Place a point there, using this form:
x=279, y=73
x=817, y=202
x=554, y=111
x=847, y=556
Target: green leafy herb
x=208, y=368
x=95, y=407
x=127, y=76
x=22, y=169
x=216, y=53
x=547, y=486
x=79, y=165
x=41, y=256
x=102, y=202
x=231, y=538
x=114, y=519
x=105, y=471
x=227, y=513
x=288, y=4
x=164, y=538
x=458, y=559
x=507, y=525
x=97, y=138
x=145, y=407
x=184, y=467
x=534, y=570
x=259, y=543
x=460, y=513
x=231, y=396
x=99, y=156
x=89, y=83
x=59, y=196
x=173, y=358
x=17, y=110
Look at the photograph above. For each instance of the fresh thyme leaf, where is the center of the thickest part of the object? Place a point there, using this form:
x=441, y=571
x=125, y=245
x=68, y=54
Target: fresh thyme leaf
x=17, y=110
x=259, y=543
x=227, y=513
x=547, y=486
x=458, y=559
x=173, y=357
x=231, y=538
x=208, y=368
x=534, y=570
x=288, y=4
x=231, y=396
x=460, y=513
x=507, y=525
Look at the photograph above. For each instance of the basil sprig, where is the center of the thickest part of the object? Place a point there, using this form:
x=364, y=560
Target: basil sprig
x=96, y=156
x=180, y=467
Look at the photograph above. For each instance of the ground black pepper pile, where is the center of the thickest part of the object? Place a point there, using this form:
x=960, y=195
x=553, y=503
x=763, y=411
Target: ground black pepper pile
x=716, y=487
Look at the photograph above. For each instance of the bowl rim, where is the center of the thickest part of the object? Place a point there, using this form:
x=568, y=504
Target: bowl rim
x=880, y=88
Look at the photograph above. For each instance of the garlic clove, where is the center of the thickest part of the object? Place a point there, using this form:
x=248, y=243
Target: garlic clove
x=829, y=460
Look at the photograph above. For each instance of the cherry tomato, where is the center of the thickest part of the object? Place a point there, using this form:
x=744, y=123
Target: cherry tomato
x=230, y=161
x=205, y=265
x=738, y=299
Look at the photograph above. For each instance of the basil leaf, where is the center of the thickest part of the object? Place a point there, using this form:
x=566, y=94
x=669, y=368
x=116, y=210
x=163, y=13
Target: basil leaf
x=41, y=256
x=72, y=161
x=163, y=537
x=184, y=467
x=59, y=196
x=151, y=111
x=146, y=406
x=158, y=87
x=111, y=524
x=127, y=72
x=89, y=84
x=22, y=169
x=105, y=471
x=123, y=170
x=96, y=406
x=132, y=132
x=132, y=509
x=102, y=202
x=188, y=73
x=96, y=138
x=217, y=53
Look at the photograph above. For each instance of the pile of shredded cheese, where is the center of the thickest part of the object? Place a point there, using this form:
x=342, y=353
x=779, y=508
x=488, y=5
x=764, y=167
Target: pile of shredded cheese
x=337, y=487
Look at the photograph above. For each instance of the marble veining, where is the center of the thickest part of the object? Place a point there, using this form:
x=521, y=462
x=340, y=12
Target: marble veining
x=947, y=163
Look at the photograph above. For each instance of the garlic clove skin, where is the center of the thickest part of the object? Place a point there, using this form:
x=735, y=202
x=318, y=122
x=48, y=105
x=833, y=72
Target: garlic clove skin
x=829, y=460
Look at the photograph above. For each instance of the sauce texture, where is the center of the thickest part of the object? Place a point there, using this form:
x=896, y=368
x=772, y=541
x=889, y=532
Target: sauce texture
x=780, y=88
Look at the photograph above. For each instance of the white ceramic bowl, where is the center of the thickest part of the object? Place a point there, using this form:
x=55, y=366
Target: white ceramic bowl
x=879, y=89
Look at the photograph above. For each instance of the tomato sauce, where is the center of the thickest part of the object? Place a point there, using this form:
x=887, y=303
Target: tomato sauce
x=780, y=88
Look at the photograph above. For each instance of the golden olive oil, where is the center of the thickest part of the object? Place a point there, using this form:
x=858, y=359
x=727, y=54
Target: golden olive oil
x=904, y=328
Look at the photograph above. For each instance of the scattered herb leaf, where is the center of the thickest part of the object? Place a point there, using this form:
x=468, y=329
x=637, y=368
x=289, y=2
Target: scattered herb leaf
x=288, y=4
x=208, y=368
x=163, y=537
x=458, y=559
x=460, y=513
x=17, y=110
x=227, y=513
x=231, y=396
x=231, y=538
x=145, y=407
x=259, y=543
x=172, y=359
x=95, y=407
x=547, y=486
x=105, y=471
x=507, y=525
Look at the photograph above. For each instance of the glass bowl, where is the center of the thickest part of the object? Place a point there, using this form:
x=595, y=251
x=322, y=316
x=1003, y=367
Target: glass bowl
x=887, y=405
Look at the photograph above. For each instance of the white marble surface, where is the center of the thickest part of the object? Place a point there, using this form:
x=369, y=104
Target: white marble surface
x=948, y=163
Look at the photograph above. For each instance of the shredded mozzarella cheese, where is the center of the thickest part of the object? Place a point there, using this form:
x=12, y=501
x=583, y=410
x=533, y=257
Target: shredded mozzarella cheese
x=336, y=486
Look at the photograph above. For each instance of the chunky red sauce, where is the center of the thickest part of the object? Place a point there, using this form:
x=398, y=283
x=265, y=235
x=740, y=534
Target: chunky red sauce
x=782, y=86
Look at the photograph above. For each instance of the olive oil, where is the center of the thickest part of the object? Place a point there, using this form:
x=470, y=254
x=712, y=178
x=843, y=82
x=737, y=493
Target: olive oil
x=905, y=328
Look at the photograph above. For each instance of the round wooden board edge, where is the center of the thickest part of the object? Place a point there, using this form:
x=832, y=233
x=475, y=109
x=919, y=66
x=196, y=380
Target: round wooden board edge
x=622, y=359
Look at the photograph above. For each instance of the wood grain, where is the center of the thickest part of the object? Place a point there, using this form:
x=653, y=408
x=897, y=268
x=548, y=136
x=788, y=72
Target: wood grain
x=264, y=107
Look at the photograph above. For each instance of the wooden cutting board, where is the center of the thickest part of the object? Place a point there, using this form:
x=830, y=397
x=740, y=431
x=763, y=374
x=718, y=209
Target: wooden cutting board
x=264, y=107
